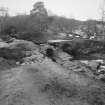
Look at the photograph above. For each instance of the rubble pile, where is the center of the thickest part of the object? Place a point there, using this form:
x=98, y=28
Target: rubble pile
x=36, y=58
x=22, y=52
x=92, y=68
x=48, y=71
x=97, y=67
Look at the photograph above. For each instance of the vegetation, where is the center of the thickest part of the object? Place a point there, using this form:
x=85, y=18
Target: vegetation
x=68, y=72
x=40, y=21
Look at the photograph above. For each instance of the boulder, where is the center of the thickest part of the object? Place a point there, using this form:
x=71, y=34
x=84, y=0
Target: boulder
x=17, y=50
x=92, y=64
x=23, y=45
x=64, y=56
x=6, y=64
x=84, y=49
x=38, y=58
x=3, y=44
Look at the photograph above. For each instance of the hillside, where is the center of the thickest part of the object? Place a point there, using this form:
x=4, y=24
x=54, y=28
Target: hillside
x=51, y=60
x=38, y=77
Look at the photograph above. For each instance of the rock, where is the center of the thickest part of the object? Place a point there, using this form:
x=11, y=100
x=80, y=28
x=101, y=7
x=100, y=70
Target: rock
x=44, y=47
x=101, y=76
x=38, y=58
x=1, y=40
x=12, y=54
x=64, y=56
x=17, y=50
x=84, y=49
x=84, y=61
x=4, y=44
x=24, y=45
x=101, y=71
x=77, y=67
x=6, y=64
x=102, y=67
x=93, y=65
x=99, y=61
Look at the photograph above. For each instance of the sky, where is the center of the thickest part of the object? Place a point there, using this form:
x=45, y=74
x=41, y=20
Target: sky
x=78, y=9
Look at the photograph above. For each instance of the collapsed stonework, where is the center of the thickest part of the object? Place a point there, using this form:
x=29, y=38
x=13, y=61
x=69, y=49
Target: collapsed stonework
x=25, y=52
x=48, y=72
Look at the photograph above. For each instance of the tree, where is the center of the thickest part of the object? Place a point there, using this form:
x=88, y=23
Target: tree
x=39, y=17
x=3, y=11
x=3, y=17
x=103, y=19
x=90, y=28
x=39, y=9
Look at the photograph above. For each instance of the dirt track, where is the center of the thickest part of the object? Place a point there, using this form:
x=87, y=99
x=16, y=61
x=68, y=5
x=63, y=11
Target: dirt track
x=48, y=84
